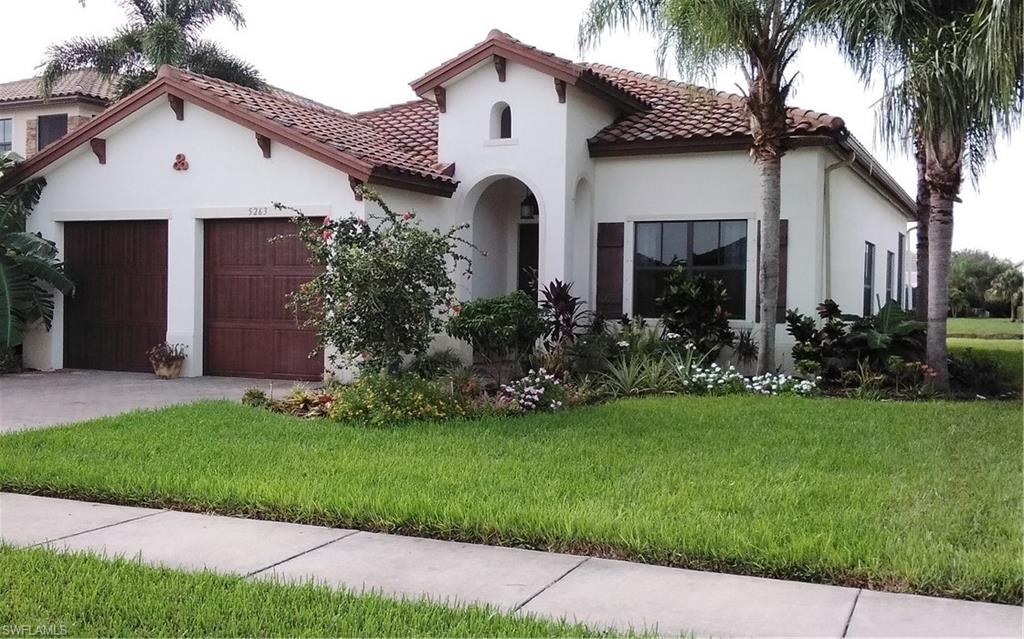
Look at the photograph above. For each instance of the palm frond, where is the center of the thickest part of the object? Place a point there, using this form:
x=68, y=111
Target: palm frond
x=140, y=12
x=195, y=15
x=603, y=16
x=109, y=56
x=209, y=59
x=164, y=42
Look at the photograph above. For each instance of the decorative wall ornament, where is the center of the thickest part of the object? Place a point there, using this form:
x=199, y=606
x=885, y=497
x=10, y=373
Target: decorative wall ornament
x=180, y=163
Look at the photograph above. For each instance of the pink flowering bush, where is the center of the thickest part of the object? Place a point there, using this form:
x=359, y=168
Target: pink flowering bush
x=384, y=285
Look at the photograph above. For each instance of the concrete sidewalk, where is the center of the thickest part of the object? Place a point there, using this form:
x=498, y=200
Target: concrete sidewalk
x=598, y=592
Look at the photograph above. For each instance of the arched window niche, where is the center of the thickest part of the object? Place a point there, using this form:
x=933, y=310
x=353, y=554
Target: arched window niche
x=501, y=121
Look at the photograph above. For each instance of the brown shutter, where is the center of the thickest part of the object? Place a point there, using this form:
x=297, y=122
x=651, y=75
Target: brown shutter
x=610, y=242
x=780, y=307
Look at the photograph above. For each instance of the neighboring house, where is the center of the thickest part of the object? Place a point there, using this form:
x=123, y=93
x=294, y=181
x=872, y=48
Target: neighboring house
x=28, y=123
x=162, y=205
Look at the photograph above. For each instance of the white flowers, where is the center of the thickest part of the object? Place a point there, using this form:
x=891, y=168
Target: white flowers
x=538, y=390
x=622, y=344
x=718, y=381
x=672, y=336
x=772, y=384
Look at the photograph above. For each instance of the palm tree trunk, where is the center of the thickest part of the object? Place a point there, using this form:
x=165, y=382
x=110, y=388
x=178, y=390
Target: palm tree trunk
x=768, y=270
x=944, y=154
x=923, y=212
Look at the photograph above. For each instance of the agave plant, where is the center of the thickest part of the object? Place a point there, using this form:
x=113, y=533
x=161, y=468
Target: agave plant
x=29, y=268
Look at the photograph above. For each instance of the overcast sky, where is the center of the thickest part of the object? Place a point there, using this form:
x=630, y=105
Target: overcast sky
x=361, y=55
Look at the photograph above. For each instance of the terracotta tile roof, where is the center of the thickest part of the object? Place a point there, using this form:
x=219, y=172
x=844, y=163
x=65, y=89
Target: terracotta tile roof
x=85, y=83
x=331, y=127
x=411, y=126
x=681, y=111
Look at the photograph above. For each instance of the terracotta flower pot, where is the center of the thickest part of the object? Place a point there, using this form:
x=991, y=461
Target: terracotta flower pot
x=168, y=370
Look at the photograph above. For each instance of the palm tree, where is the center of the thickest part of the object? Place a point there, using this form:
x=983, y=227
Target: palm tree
x=157, y=32
x=953, y=74
x=29, y=269
x=1008, y=287
x=761, y=37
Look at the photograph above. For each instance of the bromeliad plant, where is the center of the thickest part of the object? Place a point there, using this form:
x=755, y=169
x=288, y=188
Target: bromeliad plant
x=384, y=286
x=29, y=268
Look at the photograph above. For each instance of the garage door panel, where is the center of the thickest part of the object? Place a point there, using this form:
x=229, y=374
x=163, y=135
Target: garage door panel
x=249, y=331
x=119, y=308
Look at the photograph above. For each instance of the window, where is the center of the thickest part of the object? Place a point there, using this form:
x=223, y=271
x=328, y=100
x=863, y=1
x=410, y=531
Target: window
x=890, y=264
x=50, y=128
x=6, y=134
x=901, y=265
x=716, y=249
x=501, y=121
x=869, y=276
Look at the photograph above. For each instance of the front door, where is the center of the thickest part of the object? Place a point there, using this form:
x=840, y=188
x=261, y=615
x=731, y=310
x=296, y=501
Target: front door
x=529, y=252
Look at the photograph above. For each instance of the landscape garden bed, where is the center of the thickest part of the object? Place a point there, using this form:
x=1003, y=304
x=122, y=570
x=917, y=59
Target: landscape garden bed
x=903, y=496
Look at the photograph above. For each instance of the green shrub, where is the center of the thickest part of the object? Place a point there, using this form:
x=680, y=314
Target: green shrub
x=435, y=365
x=693, y=311
x=503, y=327
x=383, y=285
x=975, y=373
x=255, y=397
x=385, y=400
x=639, y=374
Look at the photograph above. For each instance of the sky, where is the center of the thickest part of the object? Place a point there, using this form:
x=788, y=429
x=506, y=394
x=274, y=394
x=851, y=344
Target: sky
x=361, y=55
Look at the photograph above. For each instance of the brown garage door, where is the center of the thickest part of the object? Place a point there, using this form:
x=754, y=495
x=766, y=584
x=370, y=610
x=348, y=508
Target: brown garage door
x=248, y=330
x=119, y=308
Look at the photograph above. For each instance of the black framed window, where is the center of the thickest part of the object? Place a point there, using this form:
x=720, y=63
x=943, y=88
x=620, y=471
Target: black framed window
x=6, y=134
x=716, y=248
x=890, y=266
x=869, y=276
x=50, y=128
x=901, y=265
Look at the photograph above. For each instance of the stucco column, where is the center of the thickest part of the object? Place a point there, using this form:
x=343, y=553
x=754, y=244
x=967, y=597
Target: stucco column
x=185, y=288
x=555, y=242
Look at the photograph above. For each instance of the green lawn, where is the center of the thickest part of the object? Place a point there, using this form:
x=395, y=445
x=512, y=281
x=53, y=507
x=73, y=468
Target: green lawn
x=81, y=595
x=922, y=497
x=992, y=327
x=1009, y=353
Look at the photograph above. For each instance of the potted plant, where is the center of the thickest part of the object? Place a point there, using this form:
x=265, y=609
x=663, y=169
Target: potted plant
x=167, y=359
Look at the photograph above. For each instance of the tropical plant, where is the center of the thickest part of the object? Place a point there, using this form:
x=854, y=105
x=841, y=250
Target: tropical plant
x=959, y=303
x=953, y=75
x=1008, y=287
x=845, y=342
x=505, y=327
x=383, y=286
x=158, y=32
x=761, y=37
x=536, y=391
x=29, y=268
x=639, y=373
x=164, y=353
x=693, y=308
x=564, y=313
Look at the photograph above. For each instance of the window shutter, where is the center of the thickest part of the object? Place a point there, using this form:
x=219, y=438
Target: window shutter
x=780, y=306
x=610, y=242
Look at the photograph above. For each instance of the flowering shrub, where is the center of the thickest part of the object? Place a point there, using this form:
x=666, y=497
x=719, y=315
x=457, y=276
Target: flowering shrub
x=538, y=390
x=781, y=384
x=384, y=286
x=715, y=380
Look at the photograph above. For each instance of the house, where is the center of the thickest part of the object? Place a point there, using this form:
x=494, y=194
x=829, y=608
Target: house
x=162, y=205
x=29, y=123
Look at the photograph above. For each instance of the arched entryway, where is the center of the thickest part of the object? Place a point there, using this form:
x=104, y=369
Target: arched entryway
x=506, y=228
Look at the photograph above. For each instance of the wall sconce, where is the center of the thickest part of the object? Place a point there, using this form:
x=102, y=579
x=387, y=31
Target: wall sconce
x=528, y=209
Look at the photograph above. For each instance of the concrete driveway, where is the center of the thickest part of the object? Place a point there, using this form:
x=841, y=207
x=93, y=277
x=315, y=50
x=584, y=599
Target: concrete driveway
x=36, y=400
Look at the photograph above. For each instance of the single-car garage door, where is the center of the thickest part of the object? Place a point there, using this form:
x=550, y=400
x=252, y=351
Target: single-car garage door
x=119, y=308
x=248, y=330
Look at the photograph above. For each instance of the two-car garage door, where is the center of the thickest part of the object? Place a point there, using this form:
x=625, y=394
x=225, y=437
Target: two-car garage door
x=119, y=309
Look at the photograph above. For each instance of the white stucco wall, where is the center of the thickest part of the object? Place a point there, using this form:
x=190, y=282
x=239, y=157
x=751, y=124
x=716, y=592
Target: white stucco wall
x=718, y=186
x=227, y=177
x=860, y=214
